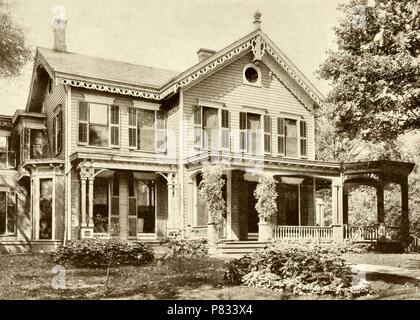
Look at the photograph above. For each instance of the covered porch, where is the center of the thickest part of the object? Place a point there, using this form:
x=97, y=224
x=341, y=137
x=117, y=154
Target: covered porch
x=126, y=201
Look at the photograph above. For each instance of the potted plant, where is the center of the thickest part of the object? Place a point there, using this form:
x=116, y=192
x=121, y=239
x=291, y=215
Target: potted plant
x=266, y=195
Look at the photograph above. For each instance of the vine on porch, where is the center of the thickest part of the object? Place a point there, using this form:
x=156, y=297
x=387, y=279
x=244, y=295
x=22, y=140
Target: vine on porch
x=211, y=189
x=266, y=195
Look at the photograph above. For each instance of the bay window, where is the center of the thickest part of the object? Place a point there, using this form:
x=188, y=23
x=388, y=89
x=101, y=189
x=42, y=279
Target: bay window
x=8, y=212
x=7, y=153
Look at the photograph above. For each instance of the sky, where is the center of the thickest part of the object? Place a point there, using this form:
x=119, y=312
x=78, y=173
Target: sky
x=166, y=34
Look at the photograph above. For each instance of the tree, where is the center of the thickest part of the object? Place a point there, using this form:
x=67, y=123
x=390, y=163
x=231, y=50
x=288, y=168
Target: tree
x=375, y=70
x=13, y=51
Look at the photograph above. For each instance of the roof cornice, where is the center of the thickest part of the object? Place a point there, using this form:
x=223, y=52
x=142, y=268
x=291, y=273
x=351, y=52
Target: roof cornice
x=257, y=42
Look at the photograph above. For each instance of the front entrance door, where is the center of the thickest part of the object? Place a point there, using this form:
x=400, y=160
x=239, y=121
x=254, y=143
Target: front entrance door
x=291, y=204
x=252, y=212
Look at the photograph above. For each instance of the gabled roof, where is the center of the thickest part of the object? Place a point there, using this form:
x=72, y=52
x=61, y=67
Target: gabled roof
x=72, y=64
x=151, y=83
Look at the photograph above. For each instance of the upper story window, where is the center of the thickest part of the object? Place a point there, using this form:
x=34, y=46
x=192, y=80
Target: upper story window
x=147, y=130
x=250, y=133
x=33, y=144
x=288, y=138
x=99, y=124
x=7, y=213
x=7, y=153
x=211, y=128
x=58, y=131
x=252, y=75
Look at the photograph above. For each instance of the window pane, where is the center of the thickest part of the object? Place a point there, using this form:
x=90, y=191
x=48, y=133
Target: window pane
x=83, y=111
x=45, y=208
x=3, y=152
x=115, y=115
x=115, y=136
x=303, y=147
x=197, y=115
x=280, y=126
x=242, y=120
x=2, y=212
x=132, y=136
x=132, y=117
x=98, y=135
x=267, y=124
x=82, y=132
x=98, y=114
x=37, y=144
x=303, y=129
x=11, y=212
x=146, y=124
x=281, y=145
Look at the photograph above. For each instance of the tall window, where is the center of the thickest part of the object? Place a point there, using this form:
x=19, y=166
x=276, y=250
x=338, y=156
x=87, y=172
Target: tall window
x=210, y=128
x=98, y=125
x=267, y=134
x=146, y=129
x=225, y=130
x=303, y=139
x=250, y=133
x=7, y=153
x=115, y=126
x=45, y=209
x=280, y=136
x=8, y=212
x=57, y=130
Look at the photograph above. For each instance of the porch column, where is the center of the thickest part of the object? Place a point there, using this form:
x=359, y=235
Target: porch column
x=91, y=181
x=123, y=205
x=171, y=211
x=83, y=201
x=337, y=212
x=380, y=203
x=345, y=207
x=405, y=226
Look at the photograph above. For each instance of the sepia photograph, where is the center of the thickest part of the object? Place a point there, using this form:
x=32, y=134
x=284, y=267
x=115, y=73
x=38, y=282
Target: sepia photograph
x=210, y=154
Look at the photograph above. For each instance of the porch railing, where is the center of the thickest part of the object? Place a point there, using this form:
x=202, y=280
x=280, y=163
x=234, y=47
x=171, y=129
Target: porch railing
x=303, y=232
x=373, y=233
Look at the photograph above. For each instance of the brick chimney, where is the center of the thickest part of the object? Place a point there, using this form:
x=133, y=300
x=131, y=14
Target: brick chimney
x=59, y=26
x=203, y=54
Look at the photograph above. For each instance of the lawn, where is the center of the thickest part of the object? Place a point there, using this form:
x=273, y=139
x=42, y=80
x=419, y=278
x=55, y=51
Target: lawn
x=29, y=276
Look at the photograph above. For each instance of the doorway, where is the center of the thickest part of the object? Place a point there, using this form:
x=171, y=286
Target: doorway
x=291, y=204
x=252, y=212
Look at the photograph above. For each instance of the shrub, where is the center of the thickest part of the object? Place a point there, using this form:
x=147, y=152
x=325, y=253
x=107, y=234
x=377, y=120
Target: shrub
x=96, y=253
x=295, y=269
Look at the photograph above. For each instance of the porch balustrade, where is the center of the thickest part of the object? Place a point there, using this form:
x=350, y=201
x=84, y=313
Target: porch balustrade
x=323, y=234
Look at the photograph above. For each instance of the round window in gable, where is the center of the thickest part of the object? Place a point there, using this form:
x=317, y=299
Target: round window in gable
x=252, y=75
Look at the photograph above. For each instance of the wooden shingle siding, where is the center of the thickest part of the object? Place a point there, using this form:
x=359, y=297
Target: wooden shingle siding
x=56, y=98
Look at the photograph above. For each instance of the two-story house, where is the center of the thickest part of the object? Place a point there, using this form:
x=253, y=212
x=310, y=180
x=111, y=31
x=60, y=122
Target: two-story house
x=105, y=143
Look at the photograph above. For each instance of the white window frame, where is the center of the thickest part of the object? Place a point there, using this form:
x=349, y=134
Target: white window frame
x=110, y=126
x=245, y=81
x=36, y=214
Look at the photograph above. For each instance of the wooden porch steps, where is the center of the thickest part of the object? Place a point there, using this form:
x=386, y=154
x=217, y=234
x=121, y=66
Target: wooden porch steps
x=239, y=247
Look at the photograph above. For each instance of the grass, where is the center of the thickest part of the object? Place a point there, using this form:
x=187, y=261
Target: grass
x=382, y=259
x=29, y=276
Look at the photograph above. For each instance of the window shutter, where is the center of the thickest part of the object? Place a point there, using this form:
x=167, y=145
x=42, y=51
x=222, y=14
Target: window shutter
x=225, y=130
x=115, y=126
x=161, y=132
x=198, y=127
x=242, y=132
x=267, y=134
x=280, y=136
x=132, y=128
x=303, y=139
x=83, y=122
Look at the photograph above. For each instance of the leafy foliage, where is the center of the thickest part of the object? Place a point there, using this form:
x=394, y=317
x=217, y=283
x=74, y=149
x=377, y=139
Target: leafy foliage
x=266, y=196
x=296, y=269
x=13, y=52
x=211, y=189
x=95, y=253
x=375, y=71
